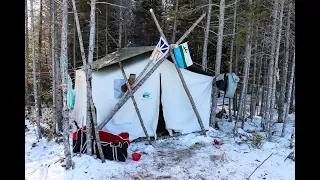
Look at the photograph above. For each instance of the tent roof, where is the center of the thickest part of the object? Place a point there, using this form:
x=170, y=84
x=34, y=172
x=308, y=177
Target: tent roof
x=125, y=53
x=129, y=52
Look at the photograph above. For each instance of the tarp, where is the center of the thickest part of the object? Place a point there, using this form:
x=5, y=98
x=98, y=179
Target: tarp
x=177, y=110
x=105, y=92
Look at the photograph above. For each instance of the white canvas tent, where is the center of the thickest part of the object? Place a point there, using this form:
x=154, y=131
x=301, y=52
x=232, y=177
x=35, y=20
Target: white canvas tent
x=177, y=110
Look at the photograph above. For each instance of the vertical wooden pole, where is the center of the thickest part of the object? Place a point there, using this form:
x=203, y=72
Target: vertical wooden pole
x=89, y=85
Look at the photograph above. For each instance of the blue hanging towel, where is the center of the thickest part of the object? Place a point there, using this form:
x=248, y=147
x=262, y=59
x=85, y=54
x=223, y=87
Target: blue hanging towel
x=71, y=94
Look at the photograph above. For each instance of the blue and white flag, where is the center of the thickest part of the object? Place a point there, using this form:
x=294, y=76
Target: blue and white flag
x=182, y=55
x=160, y=51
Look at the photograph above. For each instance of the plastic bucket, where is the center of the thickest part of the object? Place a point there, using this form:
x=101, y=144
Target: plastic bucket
x=136, y=156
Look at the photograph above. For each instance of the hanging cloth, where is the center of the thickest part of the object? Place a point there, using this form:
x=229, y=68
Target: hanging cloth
x=233, y=80
x=71, y=94
x=222, y=82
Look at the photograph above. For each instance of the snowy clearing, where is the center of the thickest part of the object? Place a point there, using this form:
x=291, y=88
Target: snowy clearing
x=190, y=156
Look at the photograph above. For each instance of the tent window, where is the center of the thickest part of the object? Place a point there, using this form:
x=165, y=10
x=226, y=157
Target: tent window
x=117, y=83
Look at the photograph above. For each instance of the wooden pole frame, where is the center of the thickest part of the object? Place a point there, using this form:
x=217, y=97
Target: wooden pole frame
x=138, y=84
x=180, y=75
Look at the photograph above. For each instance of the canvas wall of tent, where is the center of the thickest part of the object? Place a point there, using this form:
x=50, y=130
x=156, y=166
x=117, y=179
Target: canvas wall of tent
x=161, y=97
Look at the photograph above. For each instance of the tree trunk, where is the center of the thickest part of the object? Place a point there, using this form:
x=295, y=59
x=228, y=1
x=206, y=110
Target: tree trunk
x=125, y=24
x=64, y=72
x=58, y=78
x=235, y=104
x=74, y=44
x=264, y=97
x=206, y=36
x=26, y=56
x=258, y=87
x=39, y=58
x=274, y=85
x=270, y=75
x=235, y=99
x=231, y=52
x=59, y=103
x=175, y=22
x=165, y=5
x=292, y=94
x=245, y=72
x=59, y=100
x=264, y=89
x=125, y=97
x=285, y=67
x=290, y=85
x=244, y=110
x=46, y=51
x=89, y=77
x=53, y=61
x=83, y=54
x=84, y=62
x=106, y=29
x=253, y=100
x=292, y=139
x=212, y=122
x=97, y=37
x=35, y=89
x=120, y=26
x=261, y=112
x=220, y=37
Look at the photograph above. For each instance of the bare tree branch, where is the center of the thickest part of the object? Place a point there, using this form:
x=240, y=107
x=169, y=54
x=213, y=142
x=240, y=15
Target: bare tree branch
x=111, y=4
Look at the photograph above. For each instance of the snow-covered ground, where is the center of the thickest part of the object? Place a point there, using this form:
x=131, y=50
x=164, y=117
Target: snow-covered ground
x=191, y=156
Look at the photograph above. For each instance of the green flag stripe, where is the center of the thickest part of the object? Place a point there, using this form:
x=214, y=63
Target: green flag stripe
x=182, y=55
